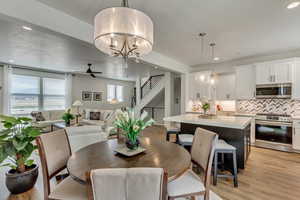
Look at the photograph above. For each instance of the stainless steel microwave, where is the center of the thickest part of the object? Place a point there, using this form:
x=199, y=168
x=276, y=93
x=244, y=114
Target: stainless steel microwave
x=279, y=91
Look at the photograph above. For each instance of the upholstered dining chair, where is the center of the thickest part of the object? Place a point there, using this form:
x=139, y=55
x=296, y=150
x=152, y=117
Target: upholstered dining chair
x=127, y=184
x=54, y=150
x=202, y=153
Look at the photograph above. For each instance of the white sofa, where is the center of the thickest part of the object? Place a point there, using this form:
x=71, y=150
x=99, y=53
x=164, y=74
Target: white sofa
x=107, y=118
x=82, y=136
x=51, y=117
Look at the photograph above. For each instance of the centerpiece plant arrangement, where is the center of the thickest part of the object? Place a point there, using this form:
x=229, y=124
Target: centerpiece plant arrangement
x=16, y=147
x=132, y=126
x=67, y=117
x=205, y=107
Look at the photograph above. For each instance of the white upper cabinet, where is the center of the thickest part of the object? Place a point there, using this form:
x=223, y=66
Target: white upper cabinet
x=200, y=86
x=274, y=72
x=225, y=86
x=263, y=73
x=296, y=80
x=245, y=82
x=283, y=72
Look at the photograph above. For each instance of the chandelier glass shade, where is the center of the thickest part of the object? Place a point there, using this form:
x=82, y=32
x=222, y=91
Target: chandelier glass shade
x=123, y=32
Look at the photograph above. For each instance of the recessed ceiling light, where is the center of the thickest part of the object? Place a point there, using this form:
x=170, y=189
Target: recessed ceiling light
x=11, y=61
x=216, y=58
x=27, y=28
x=293, y=4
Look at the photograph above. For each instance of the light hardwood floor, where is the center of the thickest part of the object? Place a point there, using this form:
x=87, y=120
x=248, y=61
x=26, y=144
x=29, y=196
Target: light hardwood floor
x=269, y=175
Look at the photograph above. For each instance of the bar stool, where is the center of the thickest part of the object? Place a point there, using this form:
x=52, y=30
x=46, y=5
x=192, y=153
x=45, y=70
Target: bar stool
x=225, y=148
x=185, y=139
x=172, y=130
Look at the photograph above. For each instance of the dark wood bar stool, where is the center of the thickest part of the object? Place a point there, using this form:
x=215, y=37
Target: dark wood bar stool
x=172, y=130
x=225, y=148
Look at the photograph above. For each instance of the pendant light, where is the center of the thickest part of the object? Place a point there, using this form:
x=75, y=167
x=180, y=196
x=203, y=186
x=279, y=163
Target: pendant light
x=123, y=32
x=202, y=35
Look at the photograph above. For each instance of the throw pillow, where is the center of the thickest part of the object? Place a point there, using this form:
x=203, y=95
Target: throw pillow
x=95, y=115
x=38, y=116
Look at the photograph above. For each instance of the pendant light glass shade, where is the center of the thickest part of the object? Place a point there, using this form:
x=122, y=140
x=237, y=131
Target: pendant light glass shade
x=123, y=31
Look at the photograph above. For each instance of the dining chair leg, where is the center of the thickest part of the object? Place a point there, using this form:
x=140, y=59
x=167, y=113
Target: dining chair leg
x=193, y=197
x=206, y=195
x=235, y=178
x=215, y=168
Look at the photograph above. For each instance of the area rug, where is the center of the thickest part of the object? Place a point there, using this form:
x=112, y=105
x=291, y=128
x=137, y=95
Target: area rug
x=213, y=196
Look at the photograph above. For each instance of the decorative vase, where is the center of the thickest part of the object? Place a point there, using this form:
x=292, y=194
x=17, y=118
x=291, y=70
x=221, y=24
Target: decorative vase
x=132, y=145
x=68, y=123
x=18, y=183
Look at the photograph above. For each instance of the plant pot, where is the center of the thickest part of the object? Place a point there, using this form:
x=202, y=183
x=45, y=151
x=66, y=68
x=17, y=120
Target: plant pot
x=132, y=145
x=18, y=183
x=68, y=123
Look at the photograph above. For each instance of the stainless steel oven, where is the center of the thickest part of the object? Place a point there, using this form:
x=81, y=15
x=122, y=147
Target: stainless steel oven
x=274, y=129
x=274, y=91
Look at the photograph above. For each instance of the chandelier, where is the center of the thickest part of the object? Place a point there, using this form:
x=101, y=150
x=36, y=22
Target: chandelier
x=123, y=32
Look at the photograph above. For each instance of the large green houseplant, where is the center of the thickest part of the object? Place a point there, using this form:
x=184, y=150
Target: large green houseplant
x=16, y=147
x=132, y=126
x=67, y=117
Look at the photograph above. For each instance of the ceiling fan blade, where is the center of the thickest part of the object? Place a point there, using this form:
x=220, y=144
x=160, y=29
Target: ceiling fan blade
x=97, y=72
x=93, y=75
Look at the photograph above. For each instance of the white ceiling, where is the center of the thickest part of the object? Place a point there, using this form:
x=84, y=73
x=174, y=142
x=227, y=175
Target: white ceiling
x=240, y=28
x=44, y=49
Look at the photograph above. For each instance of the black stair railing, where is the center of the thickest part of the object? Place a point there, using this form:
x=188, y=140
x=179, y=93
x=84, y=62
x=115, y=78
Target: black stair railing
x=154, y=111
x=149, y=84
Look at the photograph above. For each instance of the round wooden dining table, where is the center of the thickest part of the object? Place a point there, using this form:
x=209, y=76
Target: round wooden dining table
x=159, y=154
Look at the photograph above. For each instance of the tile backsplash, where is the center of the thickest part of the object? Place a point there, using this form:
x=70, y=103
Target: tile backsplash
x=278, y=106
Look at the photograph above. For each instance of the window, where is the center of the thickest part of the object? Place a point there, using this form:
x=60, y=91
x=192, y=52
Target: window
x=33, y=93
x=54, y=94
x=115, y=92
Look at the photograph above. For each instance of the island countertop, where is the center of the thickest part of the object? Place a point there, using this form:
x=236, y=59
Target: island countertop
x=235, y=122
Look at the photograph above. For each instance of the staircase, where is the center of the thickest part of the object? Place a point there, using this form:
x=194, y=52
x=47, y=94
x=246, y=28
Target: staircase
x=149, y=90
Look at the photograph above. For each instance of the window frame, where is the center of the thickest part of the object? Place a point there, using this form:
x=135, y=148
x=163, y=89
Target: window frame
x=41, y=96
x=115, y=92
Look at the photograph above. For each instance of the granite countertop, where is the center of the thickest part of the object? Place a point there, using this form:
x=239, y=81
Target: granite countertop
x=245, y=114
x=235, y=122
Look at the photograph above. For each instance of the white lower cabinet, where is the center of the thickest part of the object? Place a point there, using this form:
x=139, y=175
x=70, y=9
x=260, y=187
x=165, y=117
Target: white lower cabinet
x=296, y=134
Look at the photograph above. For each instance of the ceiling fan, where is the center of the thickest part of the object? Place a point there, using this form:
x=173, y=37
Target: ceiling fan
x=90, y=72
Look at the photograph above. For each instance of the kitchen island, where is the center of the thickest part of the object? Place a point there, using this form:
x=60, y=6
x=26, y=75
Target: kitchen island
x=235, y=130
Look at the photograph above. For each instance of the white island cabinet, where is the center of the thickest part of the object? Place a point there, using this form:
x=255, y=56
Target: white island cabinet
x=245, y=82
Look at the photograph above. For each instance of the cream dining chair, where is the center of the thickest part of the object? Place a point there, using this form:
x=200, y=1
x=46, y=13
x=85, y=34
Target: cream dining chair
x=127, y=184
x=54, y=150
x=202, y=153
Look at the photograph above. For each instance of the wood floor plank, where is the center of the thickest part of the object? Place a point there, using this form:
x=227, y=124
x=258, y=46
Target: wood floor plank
x=269, y=175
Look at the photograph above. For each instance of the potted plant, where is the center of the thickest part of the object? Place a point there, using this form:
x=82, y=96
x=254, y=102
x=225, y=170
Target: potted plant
x=67, y=117
x=131, y=126
x=16, y=148
x=205, y=107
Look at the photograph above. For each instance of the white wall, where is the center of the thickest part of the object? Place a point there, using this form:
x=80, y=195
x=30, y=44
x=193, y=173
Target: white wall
x=87, y=83
x=1, y=90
